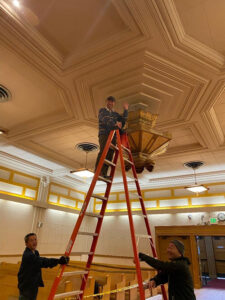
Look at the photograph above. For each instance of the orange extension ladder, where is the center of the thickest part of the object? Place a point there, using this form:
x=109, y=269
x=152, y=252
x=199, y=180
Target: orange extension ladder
x=118, y=153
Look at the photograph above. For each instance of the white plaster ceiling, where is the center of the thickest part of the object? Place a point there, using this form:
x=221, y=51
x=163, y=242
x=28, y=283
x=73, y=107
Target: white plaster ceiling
x=60, y=60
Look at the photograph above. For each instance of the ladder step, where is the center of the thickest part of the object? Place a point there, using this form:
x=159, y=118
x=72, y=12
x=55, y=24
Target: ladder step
x=99, y=197
x=93, y=215
x=114, y=147
x=128, y=161
x=108, y=162
x=80, y=272
x=88, y=233
x=104, y=179
x=81, y=253
x=67, y=294
x=125, y=148
x=145, y=236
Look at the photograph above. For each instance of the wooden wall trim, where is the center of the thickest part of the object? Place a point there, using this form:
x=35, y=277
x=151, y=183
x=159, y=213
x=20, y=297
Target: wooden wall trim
x=203, y=230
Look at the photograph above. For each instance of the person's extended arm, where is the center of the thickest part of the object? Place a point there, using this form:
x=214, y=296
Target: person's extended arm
x=158, y=264
x=160, y=278
x=43, y=262
x=123, y=118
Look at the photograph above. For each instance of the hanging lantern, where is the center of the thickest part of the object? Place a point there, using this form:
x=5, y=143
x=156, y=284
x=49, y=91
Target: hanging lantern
x=146, y=143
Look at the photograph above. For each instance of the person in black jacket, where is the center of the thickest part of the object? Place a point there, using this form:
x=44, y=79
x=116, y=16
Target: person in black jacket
x=176, y=272
x=29, y=275
x=109, y=120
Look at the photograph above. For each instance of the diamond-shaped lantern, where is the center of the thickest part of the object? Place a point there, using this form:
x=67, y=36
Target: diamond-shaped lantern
x=145, y=142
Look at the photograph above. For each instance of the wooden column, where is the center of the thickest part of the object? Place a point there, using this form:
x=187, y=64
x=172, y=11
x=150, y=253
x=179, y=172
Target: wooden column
x=195, y=262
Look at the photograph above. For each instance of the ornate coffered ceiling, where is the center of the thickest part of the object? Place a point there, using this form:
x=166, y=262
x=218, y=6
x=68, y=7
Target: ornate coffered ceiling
x=60, y=60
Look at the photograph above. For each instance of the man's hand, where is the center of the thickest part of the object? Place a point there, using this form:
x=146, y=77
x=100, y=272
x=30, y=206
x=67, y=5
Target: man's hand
x=140, y=255
x=64, y=260
x=125, y=105
x=152, y=284
x=119, y=124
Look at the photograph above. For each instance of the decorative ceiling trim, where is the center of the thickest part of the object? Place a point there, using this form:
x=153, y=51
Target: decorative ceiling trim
x=173, y=30
x=19, y=164
x=209, y=117
x=17, y=30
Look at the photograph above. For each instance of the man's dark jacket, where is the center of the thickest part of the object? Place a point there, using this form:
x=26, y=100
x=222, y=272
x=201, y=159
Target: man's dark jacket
x=29, y=275
x=176, y=273
x=108, y=118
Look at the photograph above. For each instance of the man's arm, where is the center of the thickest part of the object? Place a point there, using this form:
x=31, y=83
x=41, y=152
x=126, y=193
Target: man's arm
x=123, y=118
x=158, y=264
x=43, y=262
x=160, y=278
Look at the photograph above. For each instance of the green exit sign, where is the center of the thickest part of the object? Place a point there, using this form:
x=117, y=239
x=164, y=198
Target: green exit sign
x=213, y=220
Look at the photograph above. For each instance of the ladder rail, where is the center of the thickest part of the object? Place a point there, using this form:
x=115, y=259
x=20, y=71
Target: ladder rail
x=133, y=238
x=145, y=214
x=99, y=225
x=81, y=216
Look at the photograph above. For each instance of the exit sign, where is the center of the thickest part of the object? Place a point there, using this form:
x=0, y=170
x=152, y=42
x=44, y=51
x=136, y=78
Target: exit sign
x=213, y=220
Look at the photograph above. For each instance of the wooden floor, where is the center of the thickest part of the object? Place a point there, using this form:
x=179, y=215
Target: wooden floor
x=203, y=294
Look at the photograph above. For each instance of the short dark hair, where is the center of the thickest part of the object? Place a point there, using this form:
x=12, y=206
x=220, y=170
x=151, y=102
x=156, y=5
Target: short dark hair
x=111, y=98
x=26, y=238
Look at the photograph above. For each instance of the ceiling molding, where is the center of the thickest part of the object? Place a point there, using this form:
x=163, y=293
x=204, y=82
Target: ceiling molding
x=16, y=30
x=166, y=14
x=22, y=165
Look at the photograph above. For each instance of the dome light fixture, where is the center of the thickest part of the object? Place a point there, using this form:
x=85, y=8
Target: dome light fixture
x=2, y=131
x=16, y=3
x=87, y=148
x=195, y=188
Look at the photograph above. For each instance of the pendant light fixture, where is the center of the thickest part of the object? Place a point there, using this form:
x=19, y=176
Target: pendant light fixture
x=195, y=188
x=87, y=148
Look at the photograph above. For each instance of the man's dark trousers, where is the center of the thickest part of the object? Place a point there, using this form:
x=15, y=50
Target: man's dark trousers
x=102, y=142
x=29, y=294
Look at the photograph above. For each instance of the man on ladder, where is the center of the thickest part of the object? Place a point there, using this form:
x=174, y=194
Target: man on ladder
x=109, y=120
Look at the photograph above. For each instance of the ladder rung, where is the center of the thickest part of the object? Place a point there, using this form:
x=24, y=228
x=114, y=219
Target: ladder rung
x=80, y=272
x=108, y=162
x=88, y=233
x=99, y=197
x=128, y=161
x=145, y=236
x=81, y=253
x=93, y=215
x=104, y=179
x=114, y=147
x=67, y=294
x=125, y=148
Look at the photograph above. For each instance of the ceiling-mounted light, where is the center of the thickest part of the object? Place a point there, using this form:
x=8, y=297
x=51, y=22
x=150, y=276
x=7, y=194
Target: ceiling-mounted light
x=195, y=188
x=84, y=173
x=2, y=131
x=87, y=148
x=16, y=3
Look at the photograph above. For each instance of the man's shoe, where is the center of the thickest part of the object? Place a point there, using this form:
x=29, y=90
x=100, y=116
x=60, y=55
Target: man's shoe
x=107, y=177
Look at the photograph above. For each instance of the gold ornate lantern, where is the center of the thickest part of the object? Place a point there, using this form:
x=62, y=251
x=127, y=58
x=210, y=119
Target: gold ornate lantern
x=145, y=142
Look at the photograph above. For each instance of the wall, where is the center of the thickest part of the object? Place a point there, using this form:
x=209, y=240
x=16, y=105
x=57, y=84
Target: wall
x=16, y=219
x=53, y=209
